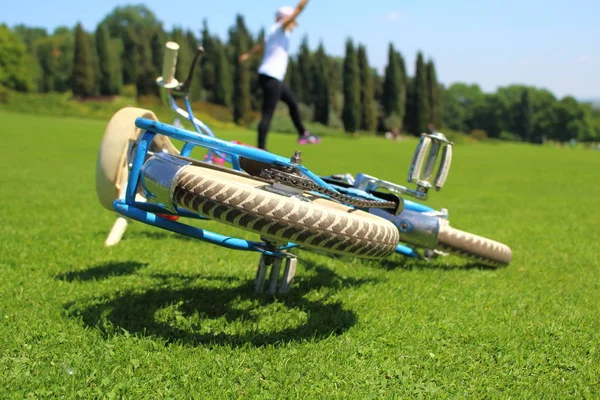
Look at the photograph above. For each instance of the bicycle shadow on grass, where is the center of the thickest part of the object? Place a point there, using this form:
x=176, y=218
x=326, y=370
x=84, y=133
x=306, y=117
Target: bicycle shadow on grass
x=151, y=235
x=223, y=312
x=103, y=271
x=410, y=264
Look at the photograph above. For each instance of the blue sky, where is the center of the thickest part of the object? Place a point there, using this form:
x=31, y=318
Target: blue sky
x=552, y=44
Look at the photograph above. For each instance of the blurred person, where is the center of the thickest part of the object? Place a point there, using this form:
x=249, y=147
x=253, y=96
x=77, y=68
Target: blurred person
x=272, y=71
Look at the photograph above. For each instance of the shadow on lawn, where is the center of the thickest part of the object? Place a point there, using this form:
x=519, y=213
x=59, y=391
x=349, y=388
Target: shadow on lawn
x=218, y=312
x=104, y=271
x=412, y=264
x=150, y=234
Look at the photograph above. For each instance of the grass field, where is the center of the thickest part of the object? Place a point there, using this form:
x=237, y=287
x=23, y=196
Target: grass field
x=163, y=316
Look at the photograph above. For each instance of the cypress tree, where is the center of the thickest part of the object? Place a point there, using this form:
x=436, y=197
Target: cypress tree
x=157, y=45
x=254, y=63
x=320, y=94
x=116, y=66
x=305, y=72
x=184, y=58
x=106, y=57
x=335, y=79
x=241, y=78
x=421, y=113
x=146, y=73
x=435, y=105
x=368, y=118
x=351, y=111
x=208, y=61
x=132, y=60
x=196, y=88
x=82, y=78
x=394, y=85
x=402, y=96
x=222, y=88
x=95, y=63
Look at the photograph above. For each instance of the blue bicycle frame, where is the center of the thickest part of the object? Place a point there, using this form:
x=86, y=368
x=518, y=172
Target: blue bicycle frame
x=150, y=214
x=229, y=152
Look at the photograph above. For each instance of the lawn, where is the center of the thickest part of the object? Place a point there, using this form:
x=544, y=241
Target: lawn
x=164, y=316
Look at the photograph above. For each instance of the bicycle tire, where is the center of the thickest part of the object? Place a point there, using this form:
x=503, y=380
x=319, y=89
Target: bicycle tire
x=114, y=155
x=307, y=220
x=473, y=247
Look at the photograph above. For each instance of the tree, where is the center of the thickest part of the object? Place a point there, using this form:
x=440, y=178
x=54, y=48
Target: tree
x=320, y=95
x=433, y=89
x=239, y=37
x=126, y=23
x=393, y=96
x=16, y=69
x=82, y=81
x=368, y=118
x=256, y=95
x=157, y=46
x=459, y=104
x=525, y=121
x=55, y=54
x=209, y=61
x=420, y=110
x=222, y=90
x=305, y=73
x=292, y=77
x=30, y=36
x=146, y=73
x=184, y=55
x=130, y=16
x=106, y=61
x=196, y=88
x=351, y=111
x=487, y=115
x=335, y=79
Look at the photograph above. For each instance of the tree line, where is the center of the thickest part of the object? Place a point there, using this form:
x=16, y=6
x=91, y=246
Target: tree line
x=124, y=55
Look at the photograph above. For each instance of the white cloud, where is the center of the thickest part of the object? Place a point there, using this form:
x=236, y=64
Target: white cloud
x=394, y=16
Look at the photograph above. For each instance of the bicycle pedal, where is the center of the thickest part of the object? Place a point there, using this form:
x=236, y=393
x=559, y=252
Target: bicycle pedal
x=431, y=148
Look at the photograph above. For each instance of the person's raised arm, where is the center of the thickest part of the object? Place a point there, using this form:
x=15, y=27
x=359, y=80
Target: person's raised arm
x=256, y=49
x=292, y=18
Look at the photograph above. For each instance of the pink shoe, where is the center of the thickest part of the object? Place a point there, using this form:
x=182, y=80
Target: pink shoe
x=307, y=138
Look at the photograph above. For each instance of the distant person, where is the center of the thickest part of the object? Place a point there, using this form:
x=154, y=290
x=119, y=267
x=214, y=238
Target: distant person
x=431, y=128
x=272, y=73
x=394, y=134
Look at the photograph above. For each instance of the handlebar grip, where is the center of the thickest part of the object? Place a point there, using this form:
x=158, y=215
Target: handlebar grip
x=169, y=63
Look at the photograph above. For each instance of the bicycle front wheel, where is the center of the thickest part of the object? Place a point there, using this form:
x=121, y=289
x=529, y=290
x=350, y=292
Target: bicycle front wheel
x=477, y=248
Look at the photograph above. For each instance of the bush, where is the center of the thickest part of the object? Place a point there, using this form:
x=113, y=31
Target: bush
x=4, y=95
x=510, y=137
x=306, y=112
x=393, y=121
x=457, y=137
x=129, y=91
x=335, y=122
x=479, y=134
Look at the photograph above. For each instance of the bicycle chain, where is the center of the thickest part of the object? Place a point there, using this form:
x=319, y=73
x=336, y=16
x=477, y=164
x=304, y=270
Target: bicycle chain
x=306, y=184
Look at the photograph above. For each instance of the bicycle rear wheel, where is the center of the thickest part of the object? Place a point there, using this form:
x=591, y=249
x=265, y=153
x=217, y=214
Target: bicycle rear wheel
x=308, y=220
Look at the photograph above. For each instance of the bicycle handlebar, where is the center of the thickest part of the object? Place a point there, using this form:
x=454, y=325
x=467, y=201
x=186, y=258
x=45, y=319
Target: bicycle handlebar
x=169, y=64
x=188, y=82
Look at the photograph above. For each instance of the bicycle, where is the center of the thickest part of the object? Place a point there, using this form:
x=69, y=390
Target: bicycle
x=142, y=176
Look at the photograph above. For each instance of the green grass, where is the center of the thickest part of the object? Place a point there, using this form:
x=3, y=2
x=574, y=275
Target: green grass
x=164, y=316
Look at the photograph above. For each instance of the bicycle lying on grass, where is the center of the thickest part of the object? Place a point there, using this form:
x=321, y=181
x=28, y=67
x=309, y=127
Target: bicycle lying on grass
x=143, y=177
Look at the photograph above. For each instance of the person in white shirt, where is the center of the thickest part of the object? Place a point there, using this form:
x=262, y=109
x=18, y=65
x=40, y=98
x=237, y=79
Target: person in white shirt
x=272, y=73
